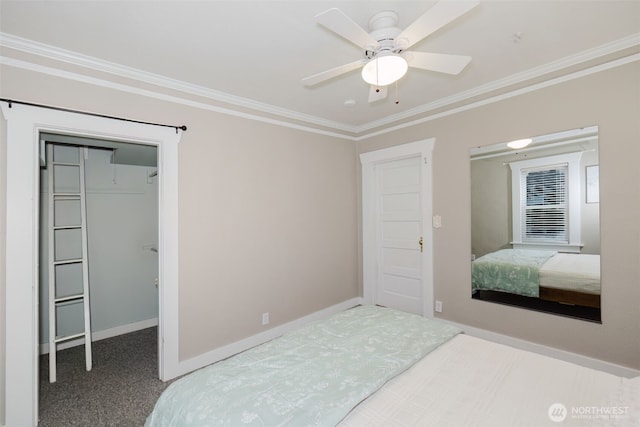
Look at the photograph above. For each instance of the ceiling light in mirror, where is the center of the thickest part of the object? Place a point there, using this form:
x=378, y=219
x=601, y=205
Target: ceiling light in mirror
x=520, y=143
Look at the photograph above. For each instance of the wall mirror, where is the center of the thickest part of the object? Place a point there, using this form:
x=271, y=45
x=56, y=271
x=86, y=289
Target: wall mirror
x=535, y=223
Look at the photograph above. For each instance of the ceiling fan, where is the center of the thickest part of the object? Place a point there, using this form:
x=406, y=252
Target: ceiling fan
x=386, y=59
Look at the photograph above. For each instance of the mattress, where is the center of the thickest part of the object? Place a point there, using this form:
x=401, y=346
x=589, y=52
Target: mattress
x=473, y=382
x=575, y=272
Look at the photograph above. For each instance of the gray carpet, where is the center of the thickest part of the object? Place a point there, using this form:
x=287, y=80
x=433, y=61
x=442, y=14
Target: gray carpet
x=120, y=390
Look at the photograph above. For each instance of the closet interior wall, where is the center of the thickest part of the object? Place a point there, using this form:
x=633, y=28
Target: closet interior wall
x=122, y=229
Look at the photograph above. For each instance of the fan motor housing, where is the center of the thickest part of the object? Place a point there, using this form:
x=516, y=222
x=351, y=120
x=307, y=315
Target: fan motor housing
x=383, y=29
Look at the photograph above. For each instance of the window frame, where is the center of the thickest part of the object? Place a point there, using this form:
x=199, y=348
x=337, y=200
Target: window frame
x=573, y=195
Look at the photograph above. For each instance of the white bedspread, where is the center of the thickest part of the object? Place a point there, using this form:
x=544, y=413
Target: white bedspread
x=473, y=382
x=575, y=272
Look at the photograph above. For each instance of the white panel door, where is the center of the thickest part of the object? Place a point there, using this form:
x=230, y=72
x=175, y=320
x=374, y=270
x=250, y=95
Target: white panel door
x=399, y=234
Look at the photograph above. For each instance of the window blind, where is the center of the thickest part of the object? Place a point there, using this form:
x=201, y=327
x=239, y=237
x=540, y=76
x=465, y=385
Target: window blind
x=543, y=203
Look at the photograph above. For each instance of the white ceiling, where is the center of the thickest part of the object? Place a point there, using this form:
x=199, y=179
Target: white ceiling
x=254, y=53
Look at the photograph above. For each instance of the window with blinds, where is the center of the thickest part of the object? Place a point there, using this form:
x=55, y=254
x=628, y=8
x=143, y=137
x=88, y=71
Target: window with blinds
x=544, y=204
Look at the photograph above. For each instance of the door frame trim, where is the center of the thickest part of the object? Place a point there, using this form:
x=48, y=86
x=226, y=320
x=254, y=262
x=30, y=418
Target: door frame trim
x=23, y=127
x=423, y=149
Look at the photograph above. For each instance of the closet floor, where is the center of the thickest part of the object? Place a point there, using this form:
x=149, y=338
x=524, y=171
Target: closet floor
x=120, y=390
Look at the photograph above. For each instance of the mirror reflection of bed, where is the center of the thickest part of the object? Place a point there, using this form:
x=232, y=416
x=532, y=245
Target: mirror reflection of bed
x=535, y=230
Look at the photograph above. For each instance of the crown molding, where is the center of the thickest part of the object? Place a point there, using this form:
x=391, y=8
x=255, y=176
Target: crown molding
x=305, y=122
x=16, y=63
x=58, y=54
x=514, y=79
x=510, y=94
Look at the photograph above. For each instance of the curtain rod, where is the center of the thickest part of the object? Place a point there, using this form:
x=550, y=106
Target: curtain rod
x=13, y=101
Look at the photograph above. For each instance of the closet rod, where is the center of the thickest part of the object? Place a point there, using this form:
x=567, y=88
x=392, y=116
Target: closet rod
x=31, y=104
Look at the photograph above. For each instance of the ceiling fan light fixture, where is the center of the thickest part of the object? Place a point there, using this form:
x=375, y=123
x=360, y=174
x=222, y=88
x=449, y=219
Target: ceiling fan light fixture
x=384, y=69
x=520, y=143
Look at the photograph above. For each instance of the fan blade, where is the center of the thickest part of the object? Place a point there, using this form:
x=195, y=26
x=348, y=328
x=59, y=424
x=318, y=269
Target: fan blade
x=432, y=20
x=377, y=93
x=440, y=62
x=335, y=20
x=334, y=72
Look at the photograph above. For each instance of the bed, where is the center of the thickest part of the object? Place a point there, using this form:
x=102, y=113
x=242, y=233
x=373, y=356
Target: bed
x=374, y=366
x=549, y=275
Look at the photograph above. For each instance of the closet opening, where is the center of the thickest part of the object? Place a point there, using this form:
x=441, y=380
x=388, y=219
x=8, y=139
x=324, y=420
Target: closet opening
x=112, y=281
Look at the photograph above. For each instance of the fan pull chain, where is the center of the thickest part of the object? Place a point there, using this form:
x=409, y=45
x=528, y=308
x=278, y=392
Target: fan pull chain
x=397, y=100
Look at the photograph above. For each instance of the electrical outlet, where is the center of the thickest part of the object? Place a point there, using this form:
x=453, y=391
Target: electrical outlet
x=438, y=306
x=265, y=318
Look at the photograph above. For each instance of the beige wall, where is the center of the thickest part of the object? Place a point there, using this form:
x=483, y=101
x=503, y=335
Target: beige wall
x=491, y=225
x=590, y=213
x=611, y=100
x=267, y=214
x=267, y=224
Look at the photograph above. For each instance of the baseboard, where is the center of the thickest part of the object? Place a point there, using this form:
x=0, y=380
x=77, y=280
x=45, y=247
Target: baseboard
x=218, y=354
x=567, y=356
x=106, y=333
